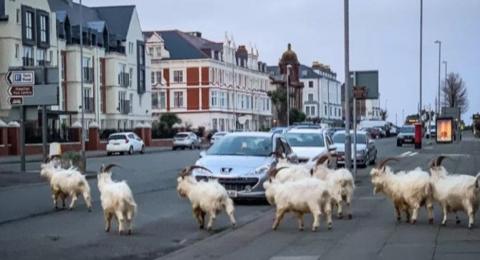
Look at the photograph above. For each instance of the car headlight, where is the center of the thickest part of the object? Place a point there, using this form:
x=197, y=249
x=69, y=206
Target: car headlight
x=201, y=172
x=259, y=171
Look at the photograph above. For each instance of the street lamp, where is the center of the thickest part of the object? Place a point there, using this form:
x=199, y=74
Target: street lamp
x=439, y=65
x=84, y=159
x=421, y=42
x=445, y=81
x=348, y=141
x=288, y=94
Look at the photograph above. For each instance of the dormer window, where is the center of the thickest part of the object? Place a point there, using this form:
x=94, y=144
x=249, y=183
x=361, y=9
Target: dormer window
x=29, y=25
x=43, y=28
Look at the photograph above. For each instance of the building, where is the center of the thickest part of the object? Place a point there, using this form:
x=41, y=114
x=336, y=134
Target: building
x=116, y=89
x=208, y=84
x=367, y=109
x=278, y=76
x=322, y=101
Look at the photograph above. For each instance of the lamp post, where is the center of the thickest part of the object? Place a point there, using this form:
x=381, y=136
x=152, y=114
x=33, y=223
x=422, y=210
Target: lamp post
x=288, y=94
x=445, y=83
x=439, y=65
x=84, y=159
x=421, y=41
x=348, y=141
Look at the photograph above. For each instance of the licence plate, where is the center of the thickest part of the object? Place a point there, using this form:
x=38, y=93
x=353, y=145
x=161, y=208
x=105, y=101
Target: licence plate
x=232, y=193
x=116, y=143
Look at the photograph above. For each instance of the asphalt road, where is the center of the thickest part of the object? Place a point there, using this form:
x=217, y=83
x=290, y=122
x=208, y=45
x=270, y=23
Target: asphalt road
x=165, y=228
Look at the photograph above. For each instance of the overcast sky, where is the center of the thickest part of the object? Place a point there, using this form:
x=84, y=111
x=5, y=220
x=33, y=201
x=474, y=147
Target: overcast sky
x=384, y=36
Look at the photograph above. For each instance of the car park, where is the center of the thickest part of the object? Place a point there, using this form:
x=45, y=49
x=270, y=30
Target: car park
x=309, y=143
x=406, y=135
x=366, y=149
x=186, y=140
x=125, y=142
x=240, y=161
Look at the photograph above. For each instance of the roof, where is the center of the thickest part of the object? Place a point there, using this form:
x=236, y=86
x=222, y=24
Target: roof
x=182, y=45
x=308, y=73
x=117, y=17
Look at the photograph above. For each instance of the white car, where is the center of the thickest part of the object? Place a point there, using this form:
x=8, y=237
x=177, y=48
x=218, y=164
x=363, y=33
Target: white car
x=217, y=136
x=125, y=142
x=308, y=143
x=186, y=140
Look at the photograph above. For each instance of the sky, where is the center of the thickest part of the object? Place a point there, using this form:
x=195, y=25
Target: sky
x=384, y=36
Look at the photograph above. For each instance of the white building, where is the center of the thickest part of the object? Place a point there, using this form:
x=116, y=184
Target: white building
x=208, y=84
x=322, y=100
x=116, y=89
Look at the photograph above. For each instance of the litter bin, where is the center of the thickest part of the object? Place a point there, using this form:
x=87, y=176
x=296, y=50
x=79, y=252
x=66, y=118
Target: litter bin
x=418, y=136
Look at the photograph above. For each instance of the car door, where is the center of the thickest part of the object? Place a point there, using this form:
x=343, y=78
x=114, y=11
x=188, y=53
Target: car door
x=133, y=141
x=139, y=141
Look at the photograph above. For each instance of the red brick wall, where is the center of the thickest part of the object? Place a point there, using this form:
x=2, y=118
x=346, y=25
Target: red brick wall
x=205, y=98
x=205, y=78
x=166, y=75
x=162, y=142
x=193, y=77
x=192, y=99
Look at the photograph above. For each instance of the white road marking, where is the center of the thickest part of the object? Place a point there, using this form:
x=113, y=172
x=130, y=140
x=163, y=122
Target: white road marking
x=405, y=154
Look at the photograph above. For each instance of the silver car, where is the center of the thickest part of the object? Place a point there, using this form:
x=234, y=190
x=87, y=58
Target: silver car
x=366, y=150
x=240, y=161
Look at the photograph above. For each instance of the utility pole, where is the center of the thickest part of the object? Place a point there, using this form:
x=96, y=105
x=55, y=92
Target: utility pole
x=421, y=48
x=84, y=159
x=348, y=141
x=439, y=68
x=445, y=84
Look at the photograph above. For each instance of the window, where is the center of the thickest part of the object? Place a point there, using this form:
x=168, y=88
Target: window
x=325, y=109
x=310, y=84
x=87, y=69
x=131, y=102
x=41, y=57
x=122, y=79
x=29, y=25
x=150, y=51
x=159, y=77
x=158, y=51
x=222, y=99
x=162, y=100
x=17, y=47
x=178, y=99
x=153, y=77
x=43, y=28
x=310, y=97
x=130, y=47
x=312, y=110
x=177, y=76
x=62, y=67
x=18, y=16
x=213, y=99
x=130, y=77
x=154, y=100
x=121, y=102
x=307, y=110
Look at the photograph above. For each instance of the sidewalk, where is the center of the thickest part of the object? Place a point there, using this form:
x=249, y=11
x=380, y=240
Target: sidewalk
x=90, y=154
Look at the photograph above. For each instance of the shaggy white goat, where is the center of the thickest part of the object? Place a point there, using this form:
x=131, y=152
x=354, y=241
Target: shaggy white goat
x=308, y=195
x=456, y=192
x=66, y=182
x=207, y=197
x=290, y=171
x=340, y=184
x=407, y=190
x=117, y=201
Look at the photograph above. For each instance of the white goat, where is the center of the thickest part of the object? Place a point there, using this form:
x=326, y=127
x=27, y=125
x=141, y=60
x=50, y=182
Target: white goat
x=456, y=192
x=66, y=182
x=308, y=195
x=206, y=197
x=290, y=171
x=340, y=184
x=117, y=201
x=407, y=190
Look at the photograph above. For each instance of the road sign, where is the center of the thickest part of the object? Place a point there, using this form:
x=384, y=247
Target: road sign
x=360, y=92
x=20, y=78
x=367, y=79
x=23, y=91
x=15, y=101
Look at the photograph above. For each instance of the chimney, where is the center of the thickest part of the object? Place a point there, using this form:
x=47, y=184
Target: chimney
x=195, y=34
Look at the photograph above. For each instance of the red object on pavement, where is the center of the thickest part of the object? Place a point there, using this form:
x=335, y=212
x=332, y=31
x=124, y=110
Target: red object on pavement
x=418, y=136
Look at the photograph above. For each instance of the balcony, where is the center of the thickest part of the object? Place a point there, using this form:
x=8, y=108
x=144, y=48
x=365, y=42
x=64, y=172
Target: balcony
x=124, y=107
x=88, y=75
x=44, y=63
x=28, y=61
x=89, y=103
x=123, y=79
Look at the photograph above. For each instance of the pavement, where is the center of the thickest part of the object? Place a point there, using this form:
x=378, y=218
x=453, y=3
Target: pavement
x=165, y=229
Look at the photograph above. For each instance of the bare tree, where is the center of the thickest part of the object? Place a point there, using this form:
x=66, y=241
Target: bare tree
x=455, y=93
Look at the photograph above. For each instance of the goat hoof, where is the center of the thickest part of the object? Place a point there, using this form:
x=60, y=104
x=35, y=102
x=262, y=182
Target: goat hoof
x=430, y=221
x=70, y=209
x=201, y=226
x=300, y=229
x=350, y=216
x=89, y=209
x=414, y=222
x=107, y=230
x=314, y=229
x=458, y=221
x=129, y=232
x=444, y=224
x=340, y=216
x=330, y=226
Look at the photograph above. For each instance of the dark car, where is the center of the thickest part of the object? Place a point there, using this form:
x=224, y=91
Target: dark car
x=373, y=133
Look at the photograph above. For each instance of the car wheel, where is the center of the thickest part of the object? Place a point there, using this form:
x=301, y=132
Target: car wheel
x=399, y=143
x=174, y=148
x=130, y=150
x=109, y=153
x=372, y=162
x=192, y=146
x=142, y=151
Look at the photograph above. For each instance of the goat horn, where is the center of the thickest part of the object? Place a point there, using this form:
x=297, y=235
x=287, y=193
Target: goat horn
x=438, y=161
x=108, y=167
x=322, y=159
x=191, y=168
x=384, y=162
x=274, y=172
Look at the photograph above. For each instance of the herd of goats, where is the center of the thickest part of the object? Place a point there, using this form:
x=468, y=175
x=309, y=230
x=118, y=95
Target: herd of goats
x=311, y=188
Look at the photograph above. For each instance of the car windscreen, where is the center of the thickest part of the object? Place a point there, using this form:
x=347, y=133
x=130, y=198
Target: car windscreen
x=305, y=139
x=407, y=130
x=219, y=134
x=181, y=135
x=339, y=138
x=242, y=146
x=117, y=137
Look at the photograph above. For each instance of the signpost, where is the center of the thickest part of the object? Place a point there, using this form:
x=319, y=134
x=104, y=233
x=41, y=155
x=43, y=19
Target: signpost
x=20, y=78
x=16, y=101
x=21, y=91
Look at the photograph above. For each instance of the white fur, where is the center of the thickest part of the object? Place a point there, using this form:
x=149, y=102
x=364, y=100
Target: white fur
x=308, y=195
x=117, y=202
x=407, y=190
x=456, y=192
x=206, y=197
x=66, y=183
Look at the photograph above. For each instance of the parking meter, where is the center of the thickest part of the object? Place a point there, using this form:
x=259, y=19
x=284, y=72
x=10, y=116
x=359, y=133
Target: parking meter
x=418, y=136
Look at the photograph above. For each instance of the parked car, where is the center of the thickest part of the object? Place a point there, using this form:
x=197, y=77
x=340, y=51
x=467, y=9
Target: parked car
x=125, y=142
x=186, y=140
x=432, y=131
x=372, y=132
x=366, y=150
x=308, y=143
x=240, y=161
x=406, y=135
x=217, y=137
x=279, y=130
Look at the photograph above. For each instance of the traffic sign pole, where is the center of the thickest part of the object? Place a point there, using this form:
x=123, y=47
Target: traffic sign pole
x=22, y=138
